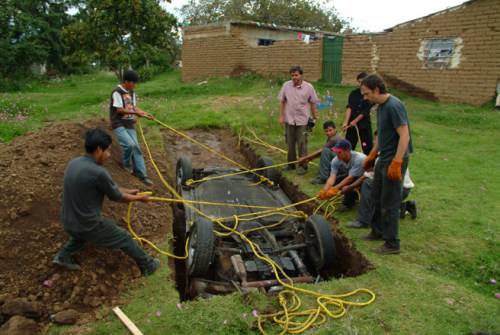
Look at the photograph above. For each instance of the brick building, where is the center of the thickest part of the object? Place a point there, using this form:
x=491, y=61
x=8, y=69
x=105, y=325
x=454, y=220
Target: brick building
x=449, y=56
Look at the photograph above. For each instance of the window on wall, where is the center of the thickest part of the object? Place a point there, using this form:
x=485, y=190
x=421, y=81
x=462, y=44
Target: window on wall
x=440, y=52
x=265, y=42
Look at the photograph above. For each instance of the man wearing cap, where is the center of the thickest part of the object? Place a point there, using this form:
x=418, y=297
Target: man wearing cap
x=346, y=173
x=326, y=154
x=297, y=101
x=393, y=146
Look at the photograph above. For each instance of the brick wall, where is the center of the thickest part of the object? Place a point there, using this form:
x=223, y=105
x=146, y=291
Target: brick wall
x=228, y=50
x=395, y=55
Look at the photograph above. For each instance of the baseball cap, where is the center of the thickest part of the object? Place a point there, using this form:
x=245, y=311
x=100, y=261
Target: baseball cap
x=342, y=145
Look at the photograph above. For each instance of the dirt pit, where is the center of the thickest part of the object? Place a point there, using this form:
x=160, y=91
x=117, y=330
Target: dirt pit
x=349, y=262
x=31, y=172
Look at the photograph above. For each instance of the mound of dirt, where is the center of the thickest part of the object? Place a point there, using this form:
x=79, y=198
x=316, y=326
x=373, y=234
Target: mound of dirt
x=31, y=172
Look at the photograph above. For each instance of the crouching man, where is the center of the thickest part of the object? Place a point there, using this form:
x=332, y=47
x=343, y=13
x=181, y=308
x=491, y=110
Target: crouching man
x=346, y=171
x=85, y=184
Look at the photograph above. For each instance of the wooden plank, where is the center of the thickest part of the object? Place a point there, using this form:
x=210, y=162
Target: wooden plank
x=126, y=321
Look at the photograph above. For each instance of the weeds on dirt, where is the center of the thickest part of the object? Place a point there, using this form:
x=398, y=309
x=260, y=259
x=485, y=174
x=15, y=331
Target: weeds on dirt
x=444, y=281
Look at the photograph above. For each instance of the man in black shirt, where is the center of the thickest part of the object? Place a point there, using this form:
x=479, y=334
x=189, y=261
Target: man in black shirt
x=358, y=115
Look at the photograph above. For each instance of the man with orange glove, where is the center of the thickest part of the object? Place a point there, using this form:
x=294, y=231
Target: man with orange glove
x=393, y=146
x=346, y=170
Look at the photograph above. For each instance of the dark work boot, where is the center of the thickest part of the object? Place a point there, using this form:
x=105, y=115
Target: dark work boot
x=411, y=207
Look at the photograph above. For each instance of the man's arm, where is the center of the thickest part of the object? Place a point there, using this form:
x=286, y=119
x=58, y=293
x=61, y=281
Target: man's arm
x=281, y=109
x=404, y=139
x=310, y=157
x=357, y=183
x=346, y=119
x=135, y=111
x=347, y=180
x=314, y=111
x=356, y=120
x=131, y=195
x=331, y=180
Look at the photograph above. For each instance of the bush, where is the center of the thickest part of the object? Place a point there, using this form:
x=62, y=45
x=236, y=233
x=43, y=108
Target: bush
x=147, y=73
x=160, y=61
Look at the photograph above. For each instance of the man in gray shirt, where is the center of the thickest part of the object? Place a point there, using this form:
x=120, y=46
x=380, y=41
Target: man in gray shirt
x=85, y=184
x=346, y=169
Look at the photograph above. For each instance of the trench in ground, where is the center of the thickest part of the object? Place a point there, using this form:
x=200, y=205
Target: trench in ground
x=349, y=262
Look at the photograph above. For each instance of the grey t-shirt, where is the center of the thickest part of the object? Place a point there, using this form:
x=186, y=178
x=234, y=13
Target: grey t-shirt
x=330, y=143
x=84, y=186
x=390, y=115
x=353, y=168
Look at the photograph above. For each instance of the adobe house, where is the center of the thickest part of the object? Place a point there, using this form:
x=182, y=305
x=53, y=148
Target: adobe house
x=229, y=49
x=449, y=56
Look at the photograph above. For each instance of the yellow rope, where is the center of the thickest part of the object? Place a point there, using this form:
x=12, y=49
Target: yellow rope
x=267, y=145
x=285, y=318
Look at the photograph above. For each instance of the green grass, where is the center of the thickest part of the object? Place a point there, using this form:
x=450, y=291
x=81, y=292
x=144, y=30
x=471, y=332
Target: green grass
x=440, y=284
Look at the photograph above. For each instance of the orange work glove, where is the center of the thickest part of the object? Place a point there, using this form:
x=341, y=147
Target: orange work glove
x=332, y=192
x=321, y=195
x=394, y=172
x=370, y=159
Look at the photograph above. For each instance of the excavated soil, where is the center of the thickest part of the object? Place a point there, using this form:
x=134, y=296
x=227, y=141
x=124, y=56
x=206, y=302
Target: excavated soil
x=31, y=172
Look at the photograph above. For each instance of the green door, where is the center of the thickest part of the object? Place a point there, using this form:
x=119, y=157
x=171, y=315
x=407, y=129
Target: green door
x=332, y=59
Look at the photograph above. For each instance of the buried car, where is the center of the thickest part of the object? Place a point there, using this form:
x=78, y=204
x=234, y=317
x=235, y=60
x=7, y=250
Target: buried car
x=236, y=220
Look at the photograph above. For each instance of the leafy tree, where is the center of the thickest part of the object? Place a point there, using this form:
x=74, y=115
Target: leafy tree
x=112, y=31
x=298, y=13
x=31, y=33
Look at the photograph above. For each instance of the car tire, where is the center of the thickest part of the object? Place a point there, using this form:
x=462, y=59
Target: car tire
x=183, y=172
x=268, y=173
x=200, y=247
x=320, y=243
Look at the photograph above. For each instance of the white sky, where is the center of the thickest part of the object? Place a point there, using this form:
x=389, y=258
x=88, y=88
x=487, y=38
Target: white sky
x=372, y=15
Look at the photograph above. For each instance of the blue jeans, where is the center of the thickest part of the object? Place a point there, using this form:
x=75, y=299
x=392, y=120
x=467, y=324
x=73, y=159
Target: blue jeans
x=131, y=150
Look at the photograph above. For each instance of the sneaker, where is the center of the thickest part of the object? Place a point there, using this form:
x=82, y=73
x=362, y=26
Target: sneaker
x=302, y=171
x=342, y=209
x=288, y=167
x=411, y=207
x=66, y=263
x=383, y=250
x=156, y=265
x=370, y=237
x=317, y=181
x=128, y=169
x=357, y=224
x=146, y=181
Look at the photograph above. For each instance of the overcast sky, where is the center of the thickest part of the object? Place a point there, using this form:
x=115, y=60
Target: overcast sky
x=373, y=15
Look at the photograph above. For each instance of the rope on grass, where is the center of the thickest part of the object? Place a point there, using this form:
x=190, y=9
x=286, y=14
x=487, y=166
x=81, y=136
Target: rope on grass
x=267, y=145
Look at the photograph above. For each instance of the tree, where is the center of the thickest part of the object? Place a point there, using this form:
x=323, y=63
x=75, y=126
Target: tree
x=297, y=13
x=31, y=33
x=112, y=31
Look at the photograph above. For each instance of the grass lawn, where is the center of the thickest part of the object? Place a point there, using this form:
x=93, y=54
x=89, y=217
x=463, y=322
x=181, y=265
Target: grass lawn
x=443, y=282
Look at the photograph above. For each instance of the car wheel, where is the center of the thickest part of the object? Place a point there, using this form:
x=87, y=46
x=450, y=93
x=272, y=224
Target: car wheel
x=268, y=173
x=183, y=171
x=200, y=247
x=320, y=244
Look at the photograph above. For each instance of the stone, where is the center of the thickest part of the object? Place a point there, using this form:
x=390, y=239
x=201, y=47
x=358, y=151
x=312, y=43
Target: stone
x=19, y=325
x=66, y=317
x=24, y=307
